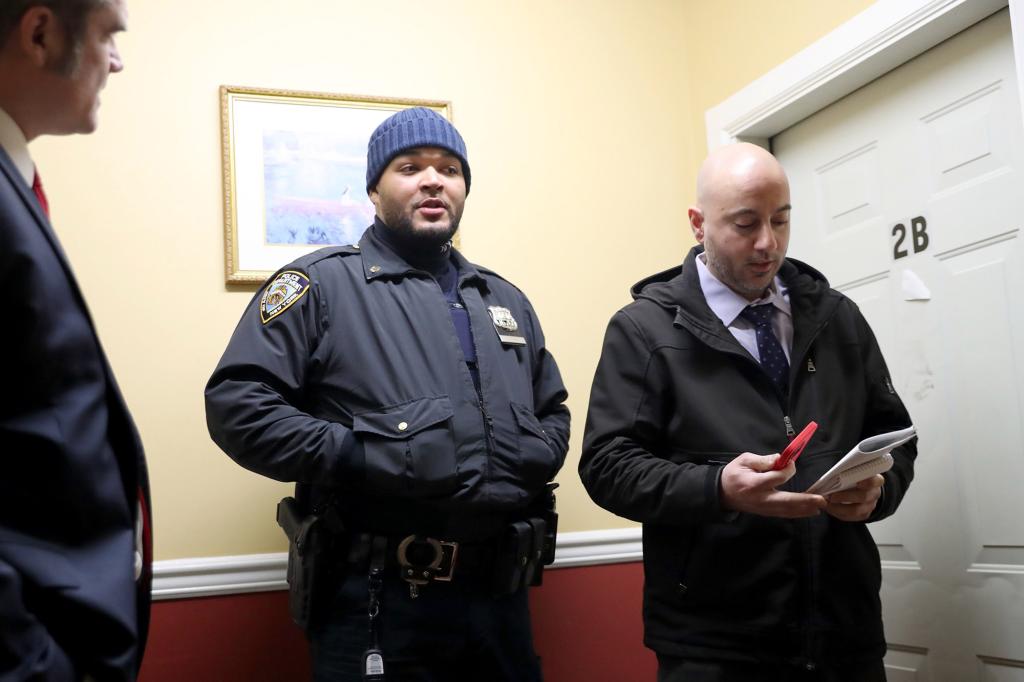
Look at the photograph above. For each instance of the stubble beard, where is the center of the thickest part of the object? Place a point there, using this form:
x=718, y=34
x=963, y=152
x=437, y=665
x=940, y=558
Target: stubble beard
x=421, y=240
x=729, y=278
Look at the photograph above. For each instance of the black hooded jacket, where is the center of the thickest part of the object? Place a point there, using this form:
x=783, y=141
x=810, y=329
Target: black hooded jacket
x=676, y=397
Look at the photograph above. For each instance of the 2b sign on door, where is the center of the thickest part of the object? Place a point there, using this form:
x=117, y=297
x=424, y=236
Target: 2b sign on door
x=916, y=237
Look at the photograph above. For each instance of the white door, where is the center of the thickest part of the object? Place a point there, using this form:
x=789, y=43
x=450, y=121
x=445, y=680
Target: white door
x=908, y=195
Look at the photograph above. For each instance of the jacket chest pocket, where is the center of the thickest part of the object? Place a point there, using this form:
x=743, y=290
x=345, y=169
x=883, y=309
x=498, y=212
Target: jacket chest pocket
x=410, y=451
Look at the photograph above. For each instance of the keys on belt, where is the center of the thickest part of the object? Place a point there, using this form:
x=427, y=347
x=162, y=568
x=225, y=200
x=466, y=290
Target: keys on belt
x=423, y=559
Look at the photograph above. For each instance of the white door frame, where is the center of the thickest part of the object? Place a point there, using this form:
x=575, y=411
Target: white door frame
x=879, y=39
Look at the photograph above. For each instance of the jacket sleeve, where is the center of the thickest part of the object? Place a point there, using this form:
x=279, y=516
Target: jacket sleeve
x=254, y=399
x=623, y=467
x=27, y=651
x=885, y=412
x=549, y=394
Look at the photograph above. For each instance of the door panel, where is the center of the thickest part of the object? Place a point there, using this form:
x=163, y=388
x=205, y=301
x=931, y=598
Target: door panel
x=917, y=178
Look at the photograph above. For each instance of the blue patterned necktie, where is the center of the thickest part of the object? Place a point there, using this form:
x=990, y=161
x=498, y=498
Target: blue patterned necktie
x=773, y=359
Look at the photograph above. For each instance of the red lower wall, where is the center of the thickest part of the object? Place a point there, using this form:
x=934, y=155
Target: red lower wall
x=586, y=626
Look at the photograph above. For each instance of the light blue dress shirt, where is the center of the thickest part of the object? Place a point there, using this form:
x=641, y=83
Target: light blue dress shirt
x=727, y=305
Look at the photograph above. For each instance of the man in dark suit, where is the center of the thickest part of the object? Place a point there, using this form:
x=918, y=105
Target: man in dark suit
x=74, y=515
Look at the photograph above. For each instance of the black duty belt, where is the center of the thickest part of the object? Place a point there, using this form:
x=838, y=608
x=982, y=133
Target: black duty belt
x=420, y=559
x=506, y=562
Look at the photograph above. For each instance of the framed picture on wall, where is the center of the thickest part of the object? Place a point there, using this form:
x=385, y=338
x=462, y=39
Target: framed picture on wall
x=295, y=173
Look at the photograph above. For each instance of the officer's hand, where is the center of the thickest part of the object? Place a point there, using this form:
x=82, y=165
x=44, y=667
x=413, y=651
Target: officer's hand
x=748, y=484
x=856, y=504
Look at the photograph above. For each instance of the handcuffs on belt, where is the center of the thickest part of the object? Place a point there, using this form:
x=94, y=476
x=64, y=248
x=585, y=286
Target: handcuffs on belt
x=422, y=559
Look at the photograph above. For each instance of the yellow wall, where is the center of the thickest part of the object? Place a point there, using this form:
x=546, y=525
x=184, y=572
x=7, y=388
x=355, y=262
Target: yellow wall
x=584, y=120
x=729, y=43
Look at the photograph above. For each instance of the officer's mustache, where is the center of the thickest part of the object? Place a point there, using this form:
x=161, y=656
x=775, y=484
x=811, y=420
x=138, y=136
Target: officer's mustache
x=432, y=202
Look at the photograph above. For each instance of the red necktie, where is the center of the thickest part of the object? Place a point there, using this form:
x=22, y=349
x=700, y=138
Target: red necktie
x=37, y=187
x=147, y=536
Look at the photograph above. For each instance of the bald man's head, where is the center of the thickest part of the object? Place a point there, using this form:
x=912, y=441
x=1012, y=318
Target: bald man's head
x=742, y=217
x=729, y=168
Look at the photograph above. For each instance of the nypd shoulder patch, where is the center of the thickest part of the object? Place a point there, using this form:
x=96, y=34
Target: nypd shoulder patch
x=287, y=288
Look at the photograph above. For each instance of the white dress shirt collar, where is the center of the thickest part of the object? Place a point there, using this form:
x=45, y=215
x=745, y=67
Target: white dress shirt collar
x=14, y=143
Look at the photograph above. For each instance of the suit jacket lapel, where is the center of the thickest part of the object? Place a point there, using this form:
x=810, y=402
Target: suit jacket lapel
x=33, y=207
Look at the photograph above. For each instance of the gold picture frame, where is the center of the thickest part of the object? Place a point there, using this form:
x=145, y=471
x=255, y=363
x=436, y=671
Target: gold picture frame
x=294, y=172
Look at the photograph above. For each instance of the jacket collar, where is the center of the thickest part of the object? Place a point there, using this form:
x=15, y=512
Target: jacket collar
x=812, y=302
x=380, y=260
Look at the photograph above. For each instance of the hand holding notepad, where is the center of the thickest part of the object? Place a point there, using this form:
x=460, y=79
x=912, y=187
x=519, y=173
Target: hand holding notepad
x=868, y=458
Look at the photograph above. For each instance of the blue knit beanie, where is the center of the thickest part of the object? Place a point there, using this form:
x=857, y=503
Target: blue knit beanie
x=408, y=129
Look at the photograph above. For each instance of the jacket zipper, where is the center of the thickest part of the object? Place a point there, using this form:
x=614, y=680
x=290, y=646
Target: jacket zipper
x=803, y=524
x=485, y=418
x=488, y=421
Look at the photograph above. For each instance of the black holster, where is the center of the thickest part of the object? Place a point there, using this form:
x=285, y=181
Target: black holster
x=315, y=543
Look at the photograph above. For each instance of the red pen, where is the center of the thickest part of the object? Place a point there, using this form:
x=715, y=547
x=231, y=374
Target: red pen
x=795, y=447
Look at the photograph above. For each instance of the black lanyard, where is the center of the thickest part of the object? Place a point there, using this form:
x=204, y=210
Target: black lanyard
x=373, y=658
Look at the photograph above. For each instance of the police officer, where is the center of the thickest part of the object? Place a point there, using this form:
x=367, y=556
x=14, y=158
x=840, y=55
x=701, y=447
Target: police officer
x=410, y=395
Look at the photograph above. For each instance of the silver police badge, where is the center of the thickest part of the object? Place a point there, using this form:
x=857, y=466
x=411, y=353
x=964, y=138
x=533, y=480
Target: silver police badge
x=286, y=289
x=506, y=326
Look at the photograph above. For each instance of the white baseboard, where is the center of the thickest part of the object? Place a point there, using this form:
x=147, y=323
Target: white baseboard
x=222, y=575
x=596, y=547
x=225, y=575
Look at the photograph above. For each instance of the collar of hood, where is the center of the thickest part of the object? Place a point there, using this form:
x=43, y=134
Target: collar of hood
x=678, y=288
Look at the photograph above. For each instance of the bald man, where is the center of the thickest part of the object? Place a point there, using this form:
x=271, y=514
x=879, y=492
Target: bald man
x=703, y=379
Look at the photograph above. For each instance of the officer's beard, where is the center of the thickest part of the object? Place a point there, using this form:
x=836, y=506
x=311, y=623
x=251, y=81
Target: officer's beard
x=425, y=241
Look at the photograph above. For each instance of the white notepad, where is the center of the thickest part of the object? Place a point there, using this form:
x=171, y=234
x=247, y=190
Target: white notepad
x=867, y=458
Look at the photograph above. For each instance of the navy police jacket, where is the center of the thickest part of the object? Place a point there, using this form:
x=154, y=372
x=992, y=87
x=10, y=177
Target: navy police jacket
x=345, y=375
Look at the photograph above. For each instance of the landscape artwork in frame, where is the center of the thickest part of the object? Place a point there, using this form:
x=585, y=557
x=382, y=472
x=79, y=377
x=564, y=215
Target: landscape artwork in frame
x=295, y=173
